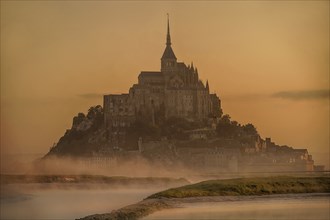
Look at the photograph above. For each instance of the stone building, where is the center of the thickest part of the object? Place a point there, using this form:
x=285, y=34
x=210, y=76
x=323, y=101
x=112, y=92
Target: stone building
x=174, y=91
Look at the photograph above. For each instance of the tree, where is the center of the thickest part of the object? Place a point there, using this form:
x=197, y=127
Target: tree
x=249, y=129
x=143, y=128
x=226, y=128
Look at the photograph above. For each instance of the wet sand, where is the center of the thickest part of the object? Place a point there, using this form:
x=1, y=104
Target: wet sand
x=147, y=207
x=275, y=207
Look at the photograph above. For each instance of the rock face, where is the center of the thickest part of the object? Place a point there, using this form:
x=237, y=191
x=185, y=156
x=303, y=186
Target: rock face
x=86, y=135
x=89, y=136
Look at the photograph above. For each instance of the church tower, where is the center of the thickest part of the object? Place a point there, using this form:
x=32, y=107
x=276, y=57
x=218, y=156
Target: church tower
x=168, y=60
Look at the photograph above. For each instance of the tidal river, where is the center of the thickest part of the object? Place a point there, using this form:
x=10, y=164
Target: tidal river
x=33, y=201
x=277, y=207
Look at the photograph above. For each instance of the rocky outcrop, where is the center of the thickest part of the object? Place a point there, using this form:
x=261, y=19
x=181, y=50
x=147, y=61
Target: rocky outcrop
x=86, y=135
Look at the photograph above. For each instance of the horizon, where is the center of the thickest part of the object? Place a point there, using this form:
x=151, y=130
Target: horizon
x=269, y=68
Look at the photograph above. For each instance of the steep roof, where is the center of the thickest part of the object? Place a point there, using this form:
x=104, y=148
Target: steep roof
x=168, y=53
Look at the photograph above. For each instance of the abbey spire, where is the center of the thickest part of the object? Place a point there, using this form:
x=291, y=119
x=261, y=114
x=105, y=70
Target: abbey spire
x=168, y=60
x=168, y=37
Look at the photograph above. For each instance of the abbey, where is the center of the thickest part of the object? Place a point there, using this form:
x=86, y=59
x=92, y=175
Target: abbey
x=170, y=118
x=174, y=91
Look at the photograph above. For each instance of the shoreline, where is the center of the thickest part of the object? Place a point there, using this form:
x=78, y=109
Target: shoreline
x=219, y=190
x=149, y=206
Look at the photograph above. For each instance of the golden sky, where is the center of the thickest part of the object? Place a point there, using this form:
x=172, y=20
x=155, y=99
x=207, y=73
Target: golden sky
x=268, y=61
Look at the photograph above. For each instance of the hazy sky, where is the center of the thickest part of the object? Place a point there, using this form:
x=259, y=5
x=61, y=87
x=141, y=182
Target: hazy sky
x=268, y=61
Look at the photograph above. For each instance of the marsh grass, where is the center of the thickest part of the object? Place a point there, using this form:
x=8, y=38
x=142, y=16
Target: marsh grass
x=232, y=187
x=249, y=186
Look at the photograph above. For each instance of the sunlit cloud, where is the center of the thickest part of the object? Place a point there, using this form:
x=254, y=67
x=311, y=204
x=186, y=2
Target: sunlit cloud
x=303, y=95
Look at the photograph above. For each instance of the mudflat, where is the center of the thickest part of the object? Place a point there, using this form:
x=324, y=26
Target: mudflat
x=218, y=190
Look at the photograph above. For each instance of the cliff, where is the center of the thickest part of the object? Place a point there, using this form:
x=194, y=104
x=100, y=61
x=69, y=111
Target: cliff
x=87, y=135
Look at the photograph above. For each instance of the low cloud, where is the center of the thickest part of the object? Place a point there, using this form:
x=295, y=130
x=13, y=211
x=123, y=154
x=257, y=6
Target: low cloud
x=91, y=95
x=303, y=95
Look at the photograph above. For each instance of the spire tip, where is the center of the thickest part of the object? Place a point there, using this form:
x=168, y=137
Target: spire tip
x=168, y=37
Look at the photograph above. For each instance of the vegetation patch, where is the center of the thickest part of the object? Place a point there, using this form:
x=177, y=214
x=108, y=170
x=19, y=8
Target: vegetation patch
x=135, y=211
x=249, y=186
x=244, y=186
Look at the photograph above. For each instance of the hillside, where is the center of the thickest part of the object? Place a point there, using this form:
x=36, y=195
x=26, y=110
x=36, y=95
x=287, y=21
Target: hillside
x=89, y=135
x=86, y=135
x=211, y=145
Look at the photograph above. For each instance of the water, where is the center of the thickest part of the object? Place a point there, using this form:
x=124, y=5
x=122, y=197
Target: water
x=280, y=207
x=29, y=201
x=32, y=201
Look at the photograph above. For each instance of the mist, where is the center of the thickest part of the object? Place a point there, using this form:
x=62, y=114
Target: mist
x=34, y=202
x=138, y=167
x=67, y=188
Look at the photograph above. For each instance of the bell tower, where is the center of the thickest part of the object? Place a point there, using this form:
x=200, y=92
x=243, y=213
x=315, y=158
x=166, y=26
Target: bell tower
x=168, y=60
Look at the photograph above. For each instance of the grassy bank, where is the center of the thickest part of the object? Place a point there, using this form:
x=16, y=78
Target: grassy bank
x=250, y=186
x=135, y=211
x=213, y=188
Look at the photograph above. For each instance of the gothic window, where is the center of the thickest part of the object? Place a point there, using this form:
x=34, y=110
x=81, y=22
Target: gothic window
x=176, y=82
x=169, y=64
